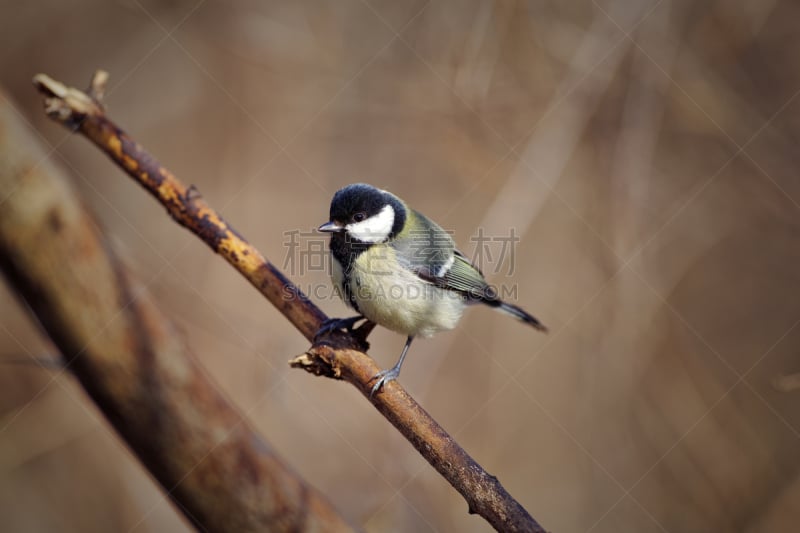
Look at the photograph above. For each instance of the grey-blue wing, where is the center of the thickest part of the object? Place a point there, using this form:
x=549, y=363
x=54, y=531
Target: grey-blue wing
x=430, y=252
x=464, y=277
x=427, y=249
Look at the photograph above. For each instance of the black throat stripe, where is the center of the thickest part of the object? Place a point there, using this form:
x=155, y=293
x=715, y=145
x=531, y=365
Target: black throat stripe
x=346, y=251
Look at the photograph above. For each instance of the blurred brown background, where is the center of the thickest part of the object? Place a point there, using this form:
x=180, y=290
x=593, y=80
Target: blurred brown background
x=645, y=153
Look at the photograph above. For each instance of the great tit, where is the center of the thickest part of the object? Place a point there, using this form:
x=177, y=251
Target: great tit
x=399, y=269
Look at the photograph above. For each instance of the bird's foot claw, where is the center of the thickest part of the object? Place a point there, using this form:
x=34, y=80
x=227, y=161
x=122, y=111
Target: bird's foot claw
x=333, y=324
x=383, y=377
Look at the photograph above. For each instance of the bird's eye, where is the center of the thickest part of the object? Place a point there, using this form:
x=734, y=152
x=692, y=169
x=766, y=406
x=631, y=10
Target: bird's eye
x=358, y=217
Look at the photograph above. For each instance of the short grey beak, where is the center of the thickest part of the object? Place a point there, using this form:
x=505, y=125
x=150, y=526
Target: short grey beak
x=331, y=227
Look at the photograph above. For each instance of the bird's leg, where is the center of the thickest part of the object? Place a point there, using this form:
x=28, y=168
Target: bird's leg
x=338, y=323
x=385, y=376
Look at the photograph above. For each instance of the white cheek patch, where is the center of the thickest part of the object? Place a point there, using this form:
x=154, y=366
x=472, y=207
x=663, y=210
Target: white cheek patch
x=374, y=229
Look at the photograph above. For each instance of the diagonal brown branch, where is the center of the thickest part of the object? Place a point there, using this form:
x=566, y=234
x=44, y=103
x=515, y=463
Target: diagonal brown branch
x=131, y=361
x=335, y=355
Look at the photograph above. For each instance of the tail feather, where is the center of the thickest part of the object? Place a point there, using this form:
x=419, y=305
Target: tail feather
x=518, y=313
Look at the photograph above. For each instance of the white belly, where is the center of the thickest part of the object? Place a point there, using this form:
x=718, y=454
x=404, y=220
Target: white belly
x=400, y=301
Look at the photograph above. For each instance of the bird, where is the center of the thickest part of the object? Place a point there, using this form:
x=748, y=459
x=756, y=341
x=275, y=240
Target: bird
x=399, y=269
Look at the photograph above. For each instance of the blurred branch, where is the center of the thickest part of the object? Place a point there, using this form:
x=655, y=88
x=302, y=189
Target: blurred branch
x=337, y=355
x=130, y=360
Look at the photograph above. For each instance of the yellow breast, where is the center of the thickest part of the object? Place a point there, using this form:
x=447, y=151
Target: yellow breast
x=397, y=298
